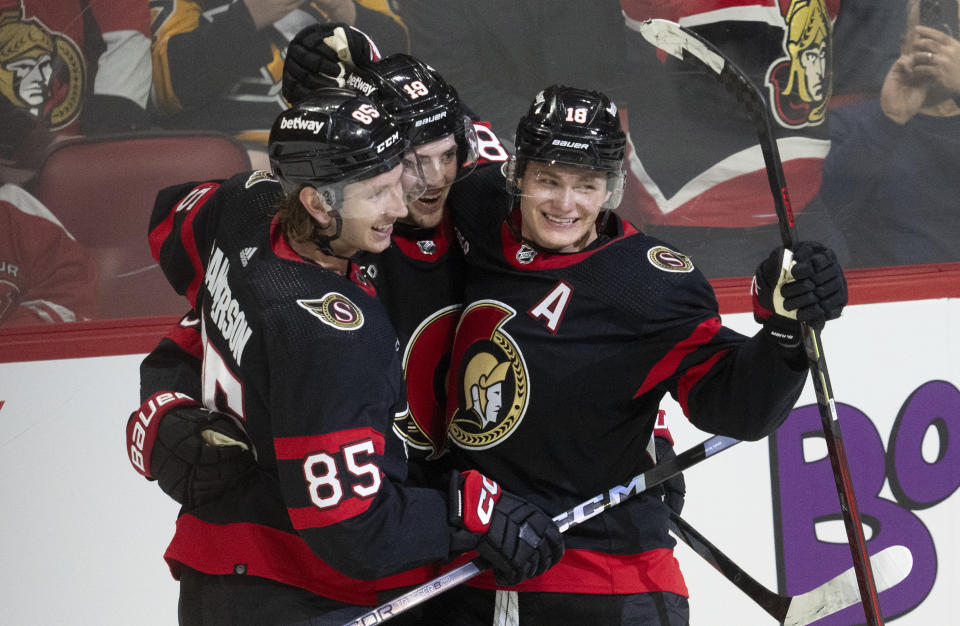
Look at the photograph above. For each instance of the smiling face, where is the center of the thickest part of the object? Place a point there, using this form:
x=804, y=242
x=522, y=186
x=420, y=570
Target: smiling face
x=560, y=204
x=438, y=159
x=370, y=207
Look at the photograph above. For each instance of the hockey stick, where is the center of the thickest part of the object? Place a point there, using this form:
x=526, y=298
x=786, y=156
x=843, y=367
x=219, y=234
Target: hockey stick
x=892, y=565
x=566, y=520
x=676, y=41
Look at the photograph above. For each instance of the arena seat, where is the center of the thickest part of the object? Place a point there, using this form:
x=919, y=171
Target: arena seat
x=103, y=189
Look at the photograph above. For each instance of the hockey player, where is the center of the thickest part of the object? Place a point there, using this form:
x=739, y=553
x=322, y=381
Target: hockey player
x=579, y=325
x=418, y=278
x=295, y=344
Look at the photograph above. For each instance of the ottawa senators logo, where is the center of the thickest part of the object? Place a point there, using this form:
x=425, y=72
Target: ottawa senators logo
x=488, y=382
x=41, y=72
x=668, y=260
x=425, y=364
x=335, y=310
x=800, y=84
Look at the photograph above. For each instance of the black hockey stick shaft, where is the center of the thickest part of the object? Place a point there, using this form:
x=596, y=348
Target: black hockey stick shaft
x=676, y=40
x=564, y=521
x=892, y=564
x=773, y=603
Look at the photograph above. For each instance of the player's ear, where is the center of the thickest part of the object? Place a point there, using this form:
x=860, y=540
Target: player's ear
x=316, y=204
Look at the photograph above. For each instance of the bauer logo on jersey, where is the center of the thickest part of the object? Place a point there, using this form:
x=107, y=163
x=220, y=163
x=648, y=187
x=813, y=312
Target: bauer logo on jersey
x=668, y=260
x=335, y=310
x=491, y=378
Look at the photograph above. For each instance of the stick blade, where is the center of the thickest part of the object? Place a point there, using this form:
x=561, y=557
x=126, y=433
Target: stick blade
x=674, y=39
x=890, y=567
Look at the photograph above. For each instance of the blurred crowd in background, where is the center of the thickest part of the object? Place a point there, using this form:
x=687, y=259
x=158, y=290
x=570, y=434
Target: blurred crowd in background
x=104, y=102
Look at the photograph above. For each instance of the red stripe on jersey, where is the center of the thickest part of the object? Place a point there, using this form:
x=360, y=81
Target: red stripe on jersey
x=585, y=571
x=692, y=376
x=191, y=201
x=312, y=517
x=260, y=551
x=186, y=334
x=666, y=366
x=547, y=260
x=292, y=448
x=442, y=237
x=280, y=245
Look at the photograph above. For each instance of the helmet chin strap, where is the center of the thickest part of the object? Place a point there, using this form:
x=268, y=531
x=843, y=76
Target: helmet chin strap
x=323, y=242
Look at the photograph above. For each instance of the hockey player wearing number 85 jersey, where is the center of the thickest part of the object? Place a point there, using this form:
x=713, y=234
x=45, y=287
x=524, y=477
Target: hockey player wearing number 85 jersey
x=575, y=325
x=298, y=349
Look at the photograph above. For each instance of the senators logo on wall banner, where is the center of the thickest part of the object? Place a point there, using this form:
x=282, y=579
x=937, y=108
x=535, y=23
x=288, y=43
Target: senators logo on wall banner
x=800, y=83
x=489, y=380
x=42, y=72
x=335, y=310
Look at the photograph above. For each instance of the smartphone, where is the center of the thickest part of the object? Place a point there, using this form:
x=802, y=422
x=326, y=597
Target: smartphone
x=940, y=14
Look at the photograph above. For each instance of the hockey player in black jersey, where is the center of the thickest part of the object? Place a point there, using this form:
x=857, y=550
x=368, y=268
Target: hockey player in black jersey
x=296, y=348
x=575, y=325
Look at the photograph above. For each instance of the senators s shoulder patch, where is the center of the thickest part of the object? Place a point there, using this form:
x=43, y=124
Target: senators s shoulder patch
x=668, y=260
x=335, y=310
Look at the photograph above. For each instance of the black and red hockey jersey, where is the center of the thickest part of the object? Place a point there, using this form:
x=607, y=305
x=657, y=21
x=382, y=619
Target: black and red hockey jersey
x=559, y=365
x=308, y=360
x=419, y=279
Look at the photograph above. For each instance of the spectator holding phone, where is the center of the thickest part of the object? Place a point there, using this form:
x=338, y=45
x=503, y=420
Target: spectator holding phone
x=911, y=133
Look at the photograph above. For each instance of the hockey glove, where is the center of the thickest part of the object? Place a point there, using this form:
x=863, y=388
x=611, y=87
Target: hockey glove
x=194, y=454
x=673, y=490
x=812, y=289
x=515, y=537
x=321, y=55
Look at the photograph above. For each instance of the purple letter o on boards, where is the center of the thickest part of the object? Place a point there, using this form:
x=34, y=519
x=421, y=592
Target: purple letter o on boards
x=805, y=495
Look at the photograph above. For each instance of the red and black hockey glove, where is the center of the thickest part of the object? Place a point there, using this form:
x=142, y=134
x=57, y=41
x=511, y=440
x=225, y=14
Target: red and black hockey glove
x=515, y=537
x=322, y=55
x=811, y=290
x=193, y=454
x=673, y=491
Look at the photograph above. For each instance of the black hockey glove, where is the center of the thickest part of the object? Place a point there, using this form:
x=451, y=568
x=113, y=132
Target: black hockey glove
x=515, y=537
x=321, y=55
x=198, y=454
x=812, y=290
x=674, y=490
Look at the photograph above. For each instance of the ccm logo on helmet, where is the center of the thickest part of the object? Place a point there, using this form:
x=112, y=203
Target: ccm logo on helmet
x=299, y=123
x=563, y=143
x=389, y=141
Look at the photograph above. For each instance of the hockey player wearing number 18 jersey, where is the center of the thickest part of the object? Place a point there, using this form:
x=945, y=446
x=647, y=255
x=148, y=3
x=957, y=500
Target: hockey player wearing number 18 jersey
x=575, y=325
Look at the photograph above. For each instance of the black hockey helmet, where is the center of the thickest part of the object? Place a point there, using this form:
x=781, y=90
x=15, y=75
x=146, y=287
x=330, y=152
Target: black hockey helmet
x=571, y=126
x=421, y=102
x=332, y=138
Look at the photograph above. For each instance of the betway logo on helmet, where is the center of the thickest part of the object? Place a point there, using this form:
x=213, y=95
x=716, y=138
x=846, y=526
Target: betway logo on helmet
x=301, y=123
x=430, y=120
x=389, y=141
x=355, y=82
x=563, y=143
